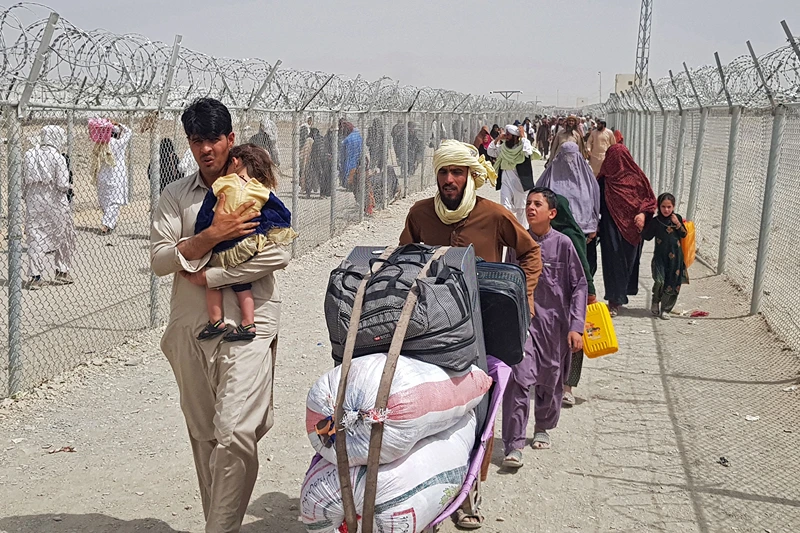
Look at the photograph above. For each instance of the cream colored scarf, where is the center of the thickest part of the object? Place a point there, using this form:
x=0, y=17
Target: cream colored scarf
x=452, y=152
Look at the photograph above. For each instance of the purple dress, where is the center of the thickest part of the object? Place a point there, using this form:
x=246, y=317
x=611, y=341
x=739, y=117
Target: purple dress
x=560, y=301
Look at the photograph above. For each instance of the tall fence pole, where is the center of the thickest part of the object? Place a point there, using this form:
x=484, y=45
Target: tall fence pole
x=155, y=172
x=15, y=220
x=778, y=123
x=334, y=173
x=727, y=201
x=677, y=178
x=387, y=130
x=651, y=152
x=296, y=176
x=730, y=171
x=698, y=152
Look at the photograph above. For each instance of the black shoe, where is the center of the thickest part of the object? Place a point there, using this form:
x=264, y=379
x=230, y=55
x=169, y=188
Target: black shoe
x=213, y=330
x=241, y=333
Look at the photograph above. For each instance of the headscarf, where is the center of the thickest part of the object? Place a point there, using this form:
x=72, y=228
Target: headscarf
x=509, y=158
x=627, y=191
x=346, y=128
x=565, y=223
x=452, y=152
x=269, y=128
x=54, y=136
x=618, y=136
x=569, y=175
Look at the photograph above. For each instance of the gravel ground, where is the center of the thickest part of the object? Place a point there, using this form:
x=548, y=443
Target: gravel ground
x=639, y=452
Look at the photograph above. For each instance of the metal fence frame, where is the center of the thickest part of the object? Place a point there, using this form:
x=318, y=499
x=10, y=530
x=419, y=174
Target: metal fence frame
x=748, y=86
x=52, y=67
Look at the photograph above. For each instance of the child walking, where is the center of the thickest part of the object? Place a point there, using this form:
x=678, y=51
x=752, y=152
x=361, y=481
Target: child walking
x=555, y=334
x=669, y=270
x=251, y=179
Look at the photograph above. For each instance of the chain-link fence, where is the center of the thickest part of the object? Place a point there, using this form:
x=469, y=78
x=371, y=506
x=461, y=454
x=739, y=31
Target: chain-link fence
x=725, y=140
x=77, y=251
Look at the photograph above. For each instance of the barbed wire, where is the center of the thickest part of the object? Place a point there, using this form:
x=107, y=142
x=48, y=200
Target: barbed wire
x=780, y=68
x=99, y=69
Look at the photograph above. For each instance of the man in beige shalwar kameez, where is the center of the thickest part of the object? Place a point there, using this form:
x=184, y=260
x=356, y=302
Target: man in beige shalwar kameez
x=597, y=145
x=225, y=388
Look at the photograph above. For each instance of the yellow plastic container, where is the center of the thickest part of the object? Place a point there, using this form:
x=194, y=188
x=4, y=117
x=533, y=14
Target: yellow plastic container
x=599, y=337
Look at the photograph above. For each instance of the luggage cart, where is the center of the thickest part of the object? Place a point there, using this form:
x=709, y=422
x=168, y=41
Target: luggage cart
x=471, y=488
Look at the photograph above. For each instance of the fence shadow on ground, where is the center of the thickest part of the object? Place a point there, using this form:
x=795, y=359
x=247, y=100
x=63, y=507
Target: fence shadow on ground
x=84, y=523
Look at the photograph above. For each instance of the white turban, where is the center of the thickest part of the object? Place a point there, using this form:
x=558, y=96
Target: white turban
x=513, y=130
x=269, y=128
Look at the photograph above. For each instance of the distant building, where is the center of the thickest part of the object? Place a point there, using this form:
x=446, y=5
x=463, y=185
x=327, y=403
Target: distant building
x=581, y=102
x=623, y=82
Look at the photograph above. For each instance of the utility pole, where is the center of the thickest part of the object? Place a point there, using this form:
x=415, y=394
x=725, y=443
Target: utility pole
x=643, y=45
x=600, y=93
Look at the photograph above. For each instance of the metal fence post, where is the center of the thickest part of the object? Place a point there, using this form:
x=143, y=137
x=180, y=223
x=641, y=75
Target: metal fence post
x=404, y=150
x=362, y=171
x=649, y=140
x=662, y=170
x=697, y=166
x=387, y=130
x=155, y=171
x=129, y=158
x=15, y=220
x=778, y=123
x=677, y=177
x=425, y=141
x=334, y=172
x=296, y=176
x=727, y=201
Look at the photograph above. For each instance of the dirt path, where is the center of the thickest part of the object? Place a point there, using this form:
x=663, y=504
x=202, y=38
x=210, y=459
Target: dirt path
x=639, y=452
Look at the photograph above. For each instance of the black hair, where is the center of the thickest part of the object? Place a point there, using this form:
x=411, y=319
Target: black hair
x=208, y=119
x=666, y=196
x=549, y=196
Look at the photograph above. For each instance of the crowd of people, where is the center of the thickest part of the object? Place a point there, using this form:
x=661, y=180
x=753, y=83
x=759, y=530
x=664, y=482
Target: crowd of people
x=219, y=225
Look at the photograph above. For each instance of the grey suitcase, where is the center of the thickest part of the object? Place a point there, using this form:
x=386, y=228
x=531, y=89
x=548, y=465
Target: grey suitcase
x=446, y=327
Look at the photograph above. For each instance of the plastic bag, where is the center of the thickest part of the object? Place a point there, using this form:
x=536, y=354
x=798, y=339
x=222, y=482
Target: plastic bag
x=412, y=492
x=688, y=244
x=424, y=400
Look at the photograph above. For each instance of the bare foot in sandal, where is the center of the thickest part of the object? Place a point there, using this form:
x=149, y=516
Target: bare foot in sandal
x=541, y=440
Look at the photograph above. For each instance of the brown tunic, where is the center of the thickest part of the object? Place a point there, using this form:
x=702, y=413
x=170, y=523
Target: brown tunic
x=489, y=227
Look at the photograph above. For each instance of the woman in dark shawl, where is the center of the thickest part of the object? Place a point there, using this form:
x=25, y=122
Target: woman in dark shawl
x=168, y=164
x=627, y=203
x=565, y=223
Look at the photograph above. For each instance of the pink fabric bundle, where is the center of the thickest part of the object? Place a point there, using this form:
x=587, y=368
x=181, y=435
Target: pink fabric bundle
x=100, y=130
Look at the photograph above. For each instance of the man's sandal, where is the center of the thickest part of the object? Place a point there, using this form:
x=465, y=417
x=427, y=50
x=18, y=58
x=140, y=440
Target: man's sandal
x=464, y=520
x=213, y=330
x=513, y=460
x=241, y=333
x=541, y=441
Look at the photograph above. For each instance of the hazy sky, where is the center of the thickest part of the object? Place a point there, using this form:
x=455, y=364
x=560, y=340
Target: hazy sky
x=545, y=49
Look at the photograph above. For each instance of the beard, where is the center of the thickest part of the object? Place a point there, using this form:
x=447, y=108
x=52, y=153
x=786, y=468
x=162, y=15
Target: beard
x=452, y=205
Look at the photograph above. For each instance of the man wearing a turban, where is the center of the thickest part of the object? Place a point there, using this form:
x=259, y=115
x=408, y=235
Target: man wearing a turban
x=456, y=216
x=512, y=152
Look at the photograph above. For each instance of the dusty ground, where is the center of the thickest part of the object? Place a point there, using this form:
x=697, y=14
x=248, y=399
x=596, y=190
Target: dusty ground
x=639, y=453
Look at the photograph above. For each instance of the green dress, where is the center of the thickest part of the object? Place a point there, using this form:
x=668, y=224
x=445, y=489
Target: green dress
x=669, y=270
x=565, y=223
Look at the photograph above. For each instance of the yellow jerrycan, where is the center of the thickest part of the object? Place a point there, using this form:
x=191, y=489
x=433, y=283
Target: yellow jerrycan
x=599, y=337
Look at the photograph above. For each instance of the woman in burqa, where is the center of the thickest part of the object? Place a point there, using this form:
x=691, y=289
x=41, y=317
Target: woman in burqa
x=627, y=203
x=571, y=176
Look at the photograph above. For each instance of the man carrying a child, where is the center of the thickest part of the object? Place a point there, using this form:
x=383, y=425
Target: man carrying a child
x=225, y=387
